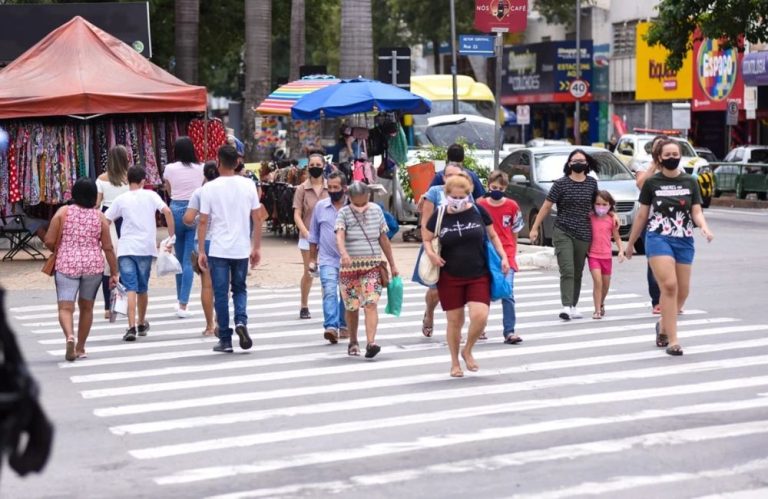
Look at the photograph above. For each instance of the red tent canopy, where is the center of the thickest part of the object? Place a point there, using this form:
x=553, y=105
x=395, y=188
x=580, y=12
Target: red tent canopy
x=80, y=69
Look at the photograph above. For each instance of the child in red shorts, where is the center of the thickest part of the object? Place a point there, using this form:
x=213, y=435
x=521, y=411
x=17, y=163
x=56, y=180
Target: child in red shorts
x=601, y=252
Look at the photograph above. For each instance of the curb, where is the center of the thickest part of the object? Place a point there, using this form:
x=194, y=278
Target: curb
x=541, y=258
x=732, y=202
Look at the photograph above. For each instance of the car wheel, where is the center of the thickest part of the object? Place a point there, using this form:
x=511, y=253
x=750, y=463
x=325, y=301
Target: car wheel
x=531, y=219
x=640, y=247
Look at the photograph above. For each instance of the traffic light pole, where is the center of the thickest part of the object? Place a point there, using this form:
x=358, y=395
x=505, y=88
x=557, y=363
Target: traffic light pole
x=454, y=69
x=577, y=114
x=499, y=45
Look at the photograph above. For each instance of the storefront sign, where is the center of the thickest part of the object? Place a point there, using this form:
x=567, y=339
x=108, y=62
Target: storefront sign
x=755, y=66
x=655, y=81
x=717, y=76
x=543, y=72
x=501, y=16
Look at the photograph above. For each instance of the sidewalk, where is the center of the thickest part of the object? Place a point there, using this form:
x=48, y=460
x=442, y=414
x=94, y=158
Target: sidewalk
x=280, y=265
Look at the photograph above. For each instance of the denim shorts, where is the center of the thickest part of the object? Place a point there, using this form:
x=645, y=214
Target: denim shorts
x=134, y=272
x=679, y=248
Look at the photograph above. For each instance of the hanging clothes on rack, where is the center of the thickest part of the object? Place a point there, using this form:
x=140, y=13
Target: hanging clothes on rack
x=207, y=143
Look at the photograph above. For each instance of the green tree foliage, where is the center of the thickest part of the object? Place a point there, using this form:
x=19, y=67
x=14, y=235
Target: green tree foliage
x=720, y=19
x=561, y=11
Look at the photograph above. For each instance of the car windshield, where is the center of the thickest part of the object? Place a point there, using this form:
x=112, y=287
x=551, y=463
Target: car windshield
x=645, y=148
x=549, y=166
x=474, y=133
x=759, y=156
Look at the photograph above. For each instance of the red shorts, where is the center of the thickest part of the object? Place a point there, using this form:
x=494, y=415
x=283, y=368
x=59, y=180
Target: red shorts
x=604, y=265
x=455, y=292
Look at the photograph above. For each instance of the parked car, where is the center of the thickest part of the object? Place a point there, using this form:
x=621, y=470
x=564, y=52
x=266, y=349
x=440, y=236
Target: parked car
x=706, y=153
x=539, y=142
x=635, y=151
x=743, y=180
x=476, y=131
x=532, y=170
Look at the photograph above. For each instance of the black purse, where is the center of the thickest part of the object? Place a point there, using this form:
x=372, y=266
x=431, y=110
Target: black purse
x=26, y=434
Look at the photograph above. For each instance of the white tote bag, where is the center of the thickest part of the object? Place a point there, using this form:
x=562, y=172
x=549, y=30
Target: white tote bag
x=429, y=273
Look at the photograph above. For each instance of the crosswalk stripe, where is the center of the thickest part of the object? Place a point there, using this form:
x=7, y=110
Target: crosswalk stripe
x=474, y=391
x=428, y=417
x=383, y=334
x=740, y=494
x=315, y=371
x=440, y=441
x=229, y=364
x=521, y=458
x=417, y=302
x=627, y=482
x=347, y=386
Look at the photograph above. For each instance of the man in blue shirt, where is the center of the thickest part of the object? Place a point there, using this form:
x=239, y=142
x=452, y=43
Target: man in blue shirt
x=322, y=247
x=455, y=154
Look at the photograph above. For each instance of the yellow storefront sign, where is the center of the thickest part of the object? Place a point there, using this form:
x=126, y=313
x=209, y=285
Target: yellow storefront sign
x=654, y=80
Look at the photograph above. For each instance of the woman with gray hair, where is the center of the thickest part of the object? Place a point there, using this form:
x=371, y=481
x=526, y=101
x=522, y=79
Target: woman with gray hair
x=361, y=236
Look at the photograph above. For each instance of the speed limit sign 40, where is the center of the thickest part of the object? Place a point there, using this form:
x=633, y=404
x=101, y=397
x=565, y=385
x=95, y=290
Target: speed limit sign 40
x=578, y=88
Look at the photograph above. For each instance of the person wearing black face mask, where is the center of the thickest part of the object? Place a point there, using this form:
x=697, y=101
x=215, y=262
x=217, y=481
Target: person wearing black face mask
x=670, y=208
x=574, y=194
x=304, y=201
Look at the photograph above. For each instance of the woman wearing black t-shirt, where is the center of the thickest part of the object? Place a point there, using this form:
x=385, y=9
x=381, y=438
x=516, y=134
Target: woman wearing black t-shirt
x=574, y=194
x=670, y=208
x=464, y=277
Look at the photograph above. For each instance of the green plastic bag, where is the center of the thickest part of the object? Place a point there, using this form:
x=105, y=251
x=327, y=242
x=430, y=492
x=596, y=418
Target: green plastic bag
x=395, y=296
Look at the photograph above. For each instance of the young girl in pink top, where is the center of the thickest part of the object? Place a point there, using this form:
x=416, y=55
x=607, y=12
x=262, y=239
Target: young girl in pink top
x=600, y=252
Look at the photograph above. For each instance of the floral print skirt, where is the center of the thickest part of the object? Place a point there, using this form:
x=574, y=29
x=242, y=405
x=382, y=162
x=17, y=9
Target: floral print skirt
x=360, y=287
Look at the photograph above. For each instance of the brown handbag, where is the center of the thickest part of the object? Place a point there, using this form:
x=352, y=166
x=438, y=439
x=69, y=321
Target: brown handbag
x=49, y=267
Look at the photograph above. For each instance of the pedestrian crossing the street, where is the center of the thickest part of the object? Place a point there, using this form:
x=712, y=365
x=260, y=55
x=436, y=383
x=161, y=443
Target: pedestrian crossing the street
x=297, y=417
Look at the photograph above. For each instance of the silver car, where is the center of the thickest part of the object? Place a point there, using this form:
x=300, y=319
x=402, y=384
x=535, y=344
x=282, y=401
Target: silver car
x=532, y=170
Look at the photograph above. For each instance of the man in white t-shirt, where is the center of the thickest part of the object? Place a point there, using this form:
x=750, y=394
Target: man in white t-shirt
x=138, y=244
x=228, y=205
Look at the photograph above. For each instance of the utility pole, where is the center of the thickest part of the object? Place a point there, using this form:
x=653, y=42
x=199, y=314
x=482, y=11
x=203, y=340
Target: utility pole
x=499, y=45
x=577, y=114
x=454, y=69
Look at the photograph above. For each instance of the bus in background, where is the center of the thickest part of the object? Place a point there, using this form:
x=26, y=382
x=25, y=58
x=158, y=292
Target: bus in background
x=474, y=98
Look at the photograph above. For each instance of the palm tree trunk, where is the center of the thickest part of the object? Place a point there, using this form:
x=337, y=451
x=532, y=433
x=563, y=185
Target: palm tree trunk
x=356, y=52
x=298, y=38
x=258, y=65
x=186, y=25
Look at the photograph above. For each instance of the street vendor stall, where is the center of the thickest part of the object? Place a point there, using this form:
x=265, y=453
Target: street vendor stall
x=75, y=94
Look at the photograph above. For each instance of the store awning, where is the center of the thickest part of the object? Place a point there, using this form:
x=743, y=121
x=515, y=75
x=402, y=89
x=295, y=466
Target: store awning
x=79, y=69
x=755, y=69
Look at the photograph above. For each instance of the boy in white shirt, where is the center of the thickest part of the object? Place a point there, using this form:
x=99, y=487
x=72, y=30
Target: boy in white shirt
x=228, y=205
x=138, y=244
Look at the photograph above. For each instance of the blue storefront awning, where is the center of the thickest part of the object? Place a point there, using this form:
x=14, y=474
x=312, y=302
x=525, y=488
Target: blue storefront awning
x=755, y=69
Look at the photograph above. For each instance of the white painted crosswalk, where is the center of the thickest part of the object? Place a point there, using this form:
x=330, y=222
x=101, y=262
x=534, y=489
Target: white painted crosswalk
x=296, y=417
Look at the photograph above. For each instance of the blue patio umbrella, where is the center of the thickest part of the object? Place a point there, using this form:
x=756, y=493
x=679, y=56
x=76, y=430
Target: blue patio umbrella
x=357, y=96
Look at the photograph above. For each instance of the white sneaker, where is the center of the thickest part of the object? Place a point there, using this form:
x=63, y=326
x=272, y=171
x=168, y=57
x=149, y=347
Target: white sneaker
x=183, y=314
x=575, y=314
x=565, y=314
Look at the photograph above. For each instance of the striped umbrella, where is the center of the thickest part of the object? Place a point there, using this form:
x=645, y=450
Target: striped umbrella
x=281, y=100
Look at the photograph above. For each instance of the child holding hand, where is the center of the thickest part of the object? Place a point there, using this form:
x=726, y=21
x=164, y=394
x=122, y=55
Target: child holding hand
x=600, y=256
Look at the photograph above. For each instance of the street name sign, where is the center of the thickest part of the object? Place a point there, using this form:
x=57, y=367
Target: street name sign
x=476, y=45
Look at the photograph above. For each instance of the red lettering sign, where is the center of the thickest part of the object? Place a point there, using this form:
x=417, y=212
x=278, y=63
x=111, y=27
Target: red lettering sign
x=501, y=15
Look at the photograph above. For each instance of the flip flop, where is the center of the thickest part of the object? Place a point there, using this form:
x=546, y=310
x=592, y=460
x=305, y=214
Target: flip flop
x=512, y=339
x=662, y=340
x=674, y=350
x=70, y=353
x=426, y=330
x=353, y=349
x=597, y=315
x=82, y=356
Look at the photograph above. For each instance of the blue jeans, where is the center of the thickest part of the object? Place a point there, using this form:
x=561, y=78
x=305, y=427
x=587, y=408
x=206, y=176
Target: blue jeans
x=333, y=305
x=134, y=272
x=223, y=272
x=508, y=306
x=185, y=243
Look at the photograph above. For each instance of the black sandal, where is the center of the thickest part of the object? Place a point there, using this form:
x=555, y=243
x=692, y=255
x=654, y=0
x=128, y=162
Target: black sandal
x=662, y=340
x=512, y=339
x=371, y=350
x=674, y=350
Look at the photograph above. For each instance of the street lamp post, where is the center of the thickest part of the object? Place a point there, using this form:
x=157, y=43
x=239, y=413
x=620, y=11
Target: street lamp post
x=454, y=69
x=577, y=114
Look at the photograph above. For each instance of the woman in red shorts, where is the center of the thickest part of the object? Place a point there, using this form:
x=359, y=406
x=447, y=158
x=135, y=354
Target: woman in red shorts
x=464, y=277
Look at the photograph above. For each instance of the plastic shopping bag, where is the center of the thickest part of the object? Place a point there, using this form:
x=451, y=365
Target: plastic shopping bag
x=166, y=262
x=395, y=296
x=119, y=302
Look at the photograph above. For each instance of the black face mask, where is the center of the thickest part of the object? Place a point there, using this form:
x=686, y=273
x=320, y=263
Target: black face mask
x=496, y=195
x=579, y=167
x=336, y=196
x=670, y=163
x=316, y=172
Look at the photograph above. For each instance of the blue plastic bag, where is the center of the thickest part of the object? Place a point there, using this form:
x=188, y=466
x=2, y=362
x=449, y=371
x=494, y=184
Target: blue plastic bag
x=394, y=296
x=500, y=288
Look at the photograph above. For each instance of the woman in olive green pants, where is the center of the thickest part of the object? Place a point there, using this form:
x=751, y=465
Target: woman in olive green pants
x=574, y=194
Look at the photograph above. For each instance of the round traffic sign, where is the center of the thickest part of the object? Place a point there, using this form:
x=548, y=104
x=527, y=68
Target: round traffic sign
x=578, y=88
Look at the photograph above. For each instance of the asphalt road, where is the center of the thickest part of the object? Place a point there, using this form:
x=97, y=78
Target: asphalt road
x=578, y=409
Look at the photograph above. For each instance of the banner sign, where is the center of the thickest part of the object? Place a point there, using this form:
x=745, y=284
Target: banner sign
x=501, y=16
x=717, y=77
x=755, y=69
x=543, y=72
x=655, y=81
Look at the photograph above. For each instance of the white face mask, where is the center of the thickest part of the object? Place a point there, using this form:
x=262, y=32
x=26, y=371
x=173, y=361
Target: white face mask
x=456, y=204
